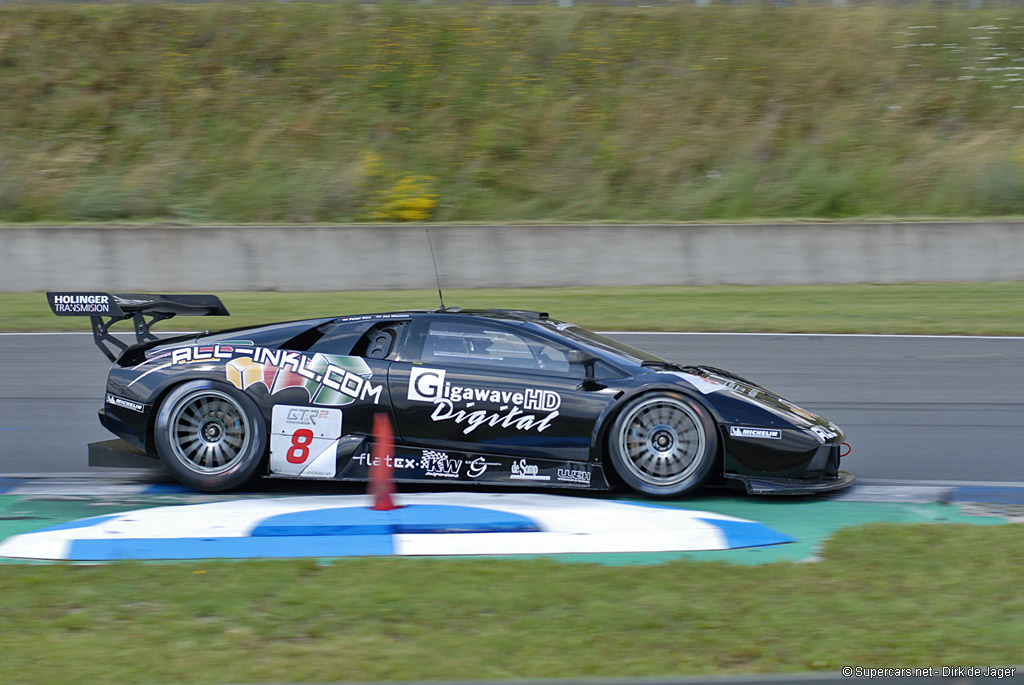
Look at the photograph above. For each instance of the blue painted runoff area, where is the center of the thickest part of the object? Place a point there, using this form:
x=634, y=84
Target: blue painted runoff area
x=230, y=548
x=988, y=495
x=748, y=533
x=168, y=489
x=415, y=518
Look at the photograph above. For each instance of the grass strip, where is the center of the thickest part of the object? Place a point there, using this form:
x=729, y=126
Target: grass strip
x=884, y=595
x=930, y=308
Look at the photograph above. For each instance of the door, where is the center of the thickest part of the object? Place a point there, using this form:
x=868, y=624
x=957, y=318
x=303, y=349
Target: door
x=471, y=384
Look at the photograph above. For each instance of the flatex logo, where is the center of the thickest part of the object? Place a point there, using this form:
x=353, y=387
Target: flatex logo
x=425, y=384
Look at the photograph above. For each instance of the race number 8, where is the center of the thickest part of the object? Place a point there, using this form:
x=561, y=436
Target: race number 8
x=298, y=453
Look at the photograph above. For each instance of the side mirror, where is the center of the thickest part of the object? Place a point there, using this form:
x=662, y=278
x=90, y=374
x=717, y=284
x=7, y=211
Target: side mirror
x=587, y=360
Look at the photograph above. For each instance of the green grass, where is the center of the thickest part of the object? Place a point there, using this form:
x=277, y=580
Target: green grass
x=296, y=112
x=943, y=309
x=884, y=595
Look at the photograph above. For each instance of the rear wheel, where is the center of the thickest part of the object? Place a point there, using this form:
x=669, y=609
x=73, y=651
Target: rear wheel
x=663, y=444
x=210, y=436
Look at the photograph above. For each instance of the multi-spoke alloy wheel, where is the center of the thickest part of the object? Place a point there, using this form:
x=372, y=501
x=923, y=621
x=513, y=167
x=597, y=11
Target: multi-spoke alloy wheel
x=663, y=444
x=208, y=431
x=209, y=436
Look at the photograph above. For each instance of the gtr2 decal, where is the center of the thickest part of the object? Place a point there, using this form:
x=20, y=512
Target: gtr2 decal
x=304, y=441
x=330, y=379
x=428, y=385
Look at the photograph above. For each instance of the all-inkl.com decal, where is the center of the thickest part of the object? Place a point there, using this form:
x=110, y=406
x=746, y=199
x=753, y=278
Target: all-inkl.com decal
x=330, y=379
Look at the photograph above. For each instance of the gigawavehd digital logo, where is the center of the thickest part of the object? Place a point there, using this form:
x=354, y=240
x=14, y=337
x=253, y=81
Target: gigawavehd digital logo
x=429, y=385
x=508, y=409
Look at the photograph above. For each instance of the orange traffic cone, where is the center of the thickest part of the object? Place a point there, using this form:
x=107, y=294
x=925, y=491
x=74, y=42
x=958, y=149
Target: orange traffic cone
x=382, y=484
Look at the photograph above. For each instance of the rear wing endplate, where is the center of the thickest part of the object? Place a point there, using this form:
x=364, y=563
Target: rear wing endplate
x=106, y=309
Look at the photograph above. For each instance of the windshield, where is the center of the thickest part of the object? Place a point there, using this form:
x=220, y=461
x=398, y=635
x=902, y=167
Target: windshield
x=598, y=340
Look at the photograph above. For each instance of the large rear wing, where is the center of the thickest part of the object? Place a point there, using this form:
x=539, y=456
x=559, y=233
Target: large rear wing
x=106, y=309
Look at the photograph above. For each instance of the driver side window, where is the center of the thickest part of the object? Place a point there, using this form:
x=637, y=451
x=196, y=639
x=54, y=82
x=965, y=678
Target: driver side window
x=484, y=344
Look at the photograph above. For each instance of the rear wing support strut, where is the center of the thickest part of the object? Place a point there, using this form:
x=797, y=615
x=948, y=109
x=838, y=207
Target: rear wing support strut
x=113, y=347
x=107, y=309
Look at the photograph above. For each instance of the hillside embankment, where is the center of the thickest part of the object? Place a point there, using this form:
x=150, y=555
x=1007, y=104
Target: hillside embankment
x=336, y=113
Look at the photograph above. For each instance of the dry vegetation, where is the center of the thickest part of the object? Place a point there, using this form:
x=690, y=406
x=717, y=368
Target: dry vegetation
x=311, y=112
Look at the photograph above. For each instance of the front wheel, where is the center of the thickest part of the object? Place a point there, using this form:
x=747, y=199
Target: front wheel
x=663, y=444
x=210, y=436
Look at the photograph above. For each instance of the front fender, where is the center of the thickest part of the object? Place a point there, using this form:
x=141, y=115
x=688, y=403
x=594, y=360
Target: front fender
x=604, y=421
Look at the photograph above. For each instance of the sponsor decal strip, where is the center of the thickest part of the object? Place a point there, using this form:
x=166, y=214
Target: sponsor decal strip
x=428, y=464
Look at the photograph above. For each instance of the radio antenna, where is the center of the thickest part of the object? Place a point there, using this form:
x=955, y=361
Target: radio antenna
x=436, y=274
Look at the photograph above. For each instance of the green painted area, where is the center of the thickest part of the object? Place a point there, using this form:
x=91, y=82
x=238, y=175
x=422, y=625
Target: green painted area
x=810, y=521
x=21, y=514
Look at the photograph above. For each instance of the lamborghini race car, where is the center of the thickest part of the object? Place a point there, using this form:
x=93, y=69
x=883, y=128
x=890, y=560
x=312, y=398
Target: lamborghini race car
x=474, y=397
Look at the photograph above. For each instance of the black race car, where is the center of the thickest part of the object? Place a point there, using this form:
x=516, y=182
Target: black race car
x=496, y=397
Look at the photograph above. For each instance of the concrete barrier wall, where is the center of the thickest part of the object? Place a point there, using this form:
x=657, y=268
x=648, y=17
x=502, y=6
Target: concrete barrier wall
x=381, y=257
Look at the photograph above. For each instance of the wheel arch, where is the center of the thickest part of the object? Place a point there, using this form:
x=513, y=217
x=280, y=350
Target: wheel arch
x=160, y=394
x=158, y=399
x=607, y=417
x=599, y=451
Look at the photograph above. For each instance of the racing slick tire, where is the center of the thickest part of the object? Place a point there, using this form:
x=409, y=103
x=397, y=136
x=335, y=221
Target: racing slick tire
x=663, y=444
x=210, y=436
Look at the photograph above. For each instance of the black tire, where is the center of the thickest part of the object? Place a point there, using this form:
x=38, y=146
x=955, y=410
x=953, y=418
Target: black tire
x=210, y=436
x=663, y=444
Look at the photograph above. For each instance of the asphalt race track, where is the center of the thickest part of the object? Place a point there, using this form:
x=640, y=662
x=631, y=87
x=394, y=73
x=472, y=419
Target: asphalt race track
x=913, y=408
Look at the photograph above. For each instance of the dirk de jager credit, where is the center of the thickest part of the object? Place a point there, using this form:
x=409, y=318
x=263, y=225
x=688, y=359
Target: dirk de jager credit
x=930, y=671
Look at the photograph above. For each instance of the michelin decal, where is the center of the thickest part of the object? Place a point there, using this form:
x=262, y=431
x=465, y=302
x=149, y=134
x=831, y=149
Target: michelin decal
x=127, y=404
x=760, y=433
